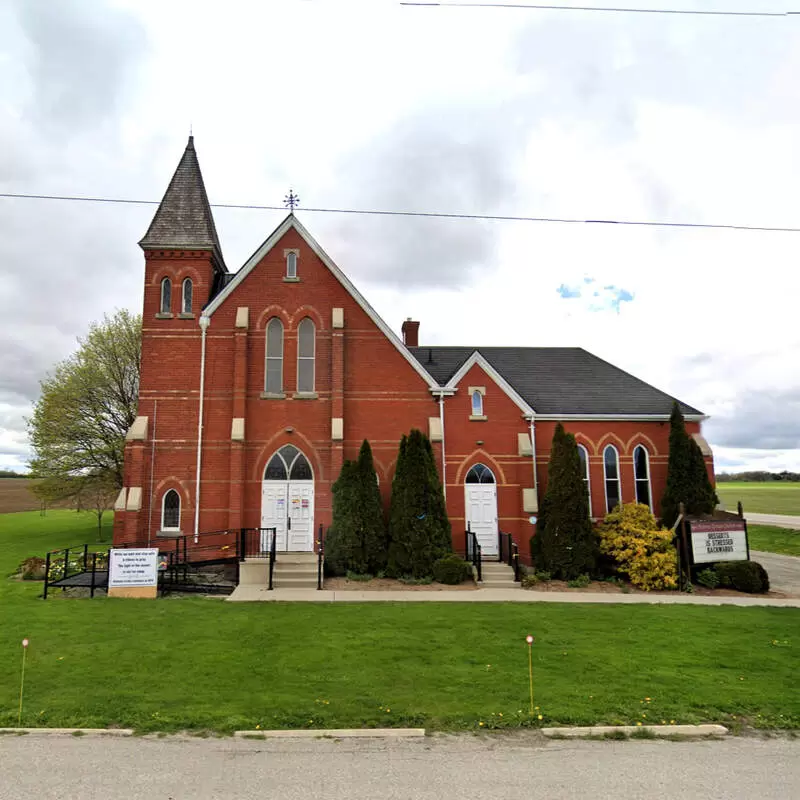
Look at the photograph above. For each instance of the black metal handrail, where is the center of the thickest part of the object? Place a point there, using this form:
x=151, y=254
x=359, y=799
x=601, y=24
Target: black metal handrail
x=273, y=552
x=472, y=550
x=508, y=552
x=515, y=559
x=320, y=557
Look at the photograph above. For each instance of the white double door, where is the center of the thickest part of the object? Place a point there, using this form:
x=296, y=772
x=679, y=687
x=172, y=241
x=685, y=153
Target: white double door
x=481, y=511
x=288, y=506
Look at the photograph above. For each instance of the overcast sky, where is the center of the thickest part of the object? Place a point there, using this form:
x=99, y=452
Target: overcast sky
x=372, y=105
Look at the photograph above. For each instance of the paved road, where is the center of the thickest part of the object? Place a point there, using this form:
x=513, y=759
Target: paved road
x=783, y=571
x=779, y=520
x=431, y=769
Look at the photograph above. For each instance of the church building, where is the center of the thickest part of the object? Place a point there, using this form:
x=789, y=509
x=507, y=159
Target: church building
x=256, y=385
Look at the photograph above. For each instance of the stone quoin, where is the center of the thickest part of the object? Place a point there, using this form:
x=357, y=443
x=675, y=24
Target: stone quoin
x=291, y=369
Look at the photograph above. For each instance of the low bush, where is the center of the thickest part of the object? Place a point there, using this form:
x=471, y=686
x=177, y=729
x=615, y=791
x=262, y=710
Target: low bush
x=451, y=569
x=708, y=578
x=642, y=551
x=581, y=582
x=743, y=576
x=543, y=575
x=358, y=576
x=528, y=580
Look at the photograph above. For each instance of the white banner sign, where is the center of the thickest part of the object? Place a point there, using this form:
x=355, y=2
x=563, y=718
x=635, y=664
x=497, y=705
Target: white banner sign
x=715, y=541
x=127, y=568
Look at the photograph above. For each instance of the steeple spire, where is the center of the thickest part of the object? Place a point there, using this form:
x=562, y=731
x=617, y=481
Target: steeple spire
x=184, y=218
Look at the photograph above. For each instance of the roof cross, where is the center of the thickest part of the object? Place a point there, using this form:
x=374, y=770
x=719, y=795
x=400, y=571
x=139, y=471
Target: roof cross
x=291, y=200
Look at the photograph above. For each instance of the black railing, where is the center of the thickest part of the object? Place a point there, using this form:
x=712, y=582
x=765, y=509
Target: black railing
x=472, y=550
x=320, y=557
x=71, y=562
x=508, y=552
x=272, y=554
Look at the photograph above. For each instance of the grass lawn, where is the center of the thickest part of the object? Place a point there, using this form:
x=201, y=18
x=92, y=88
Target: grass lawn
x=774, y=540
x=778, y=497
x=195, y=663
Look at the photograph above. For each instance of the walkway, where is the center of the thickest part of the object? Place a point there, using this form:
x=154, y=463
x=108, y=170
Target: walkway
x=779, y=520
x=254, y=593
x=783, y=571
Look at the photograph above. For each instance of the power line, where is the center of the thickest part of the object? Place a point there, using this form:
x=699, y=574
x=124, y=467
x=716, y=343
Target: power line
x=428, y=214
x=605, y=9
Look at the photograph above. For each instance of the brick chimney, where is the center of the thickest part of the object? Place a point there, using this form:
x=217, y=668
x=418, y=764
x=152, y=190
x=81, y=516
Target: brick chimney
x=410, y=333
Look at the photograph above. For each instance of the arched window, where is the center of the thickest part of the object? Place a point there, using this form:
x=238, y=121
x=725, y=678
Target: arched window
x=171, y=511
x=611, y=469
x=273, y=381
x=186, y=304
x=166, y=296
x=641, y=470
x=288, y=464
x=583, y=454
x=305, y=356
x=291, y=265
x=479, y=474
x=477, y=403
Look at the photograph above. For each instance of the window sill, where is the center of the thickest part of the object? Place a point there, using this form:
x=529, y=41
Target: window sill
x=287, y=279
x=480, y=418
x=272, y=396
x=169, y=533
x=163, y=315
x=185, y=315
x=305, y=396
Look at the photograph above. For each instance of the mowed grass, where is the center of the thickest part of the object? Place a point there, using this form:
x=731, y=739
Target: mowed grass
x=778, y=497
x=774, y=540
x=204, y=664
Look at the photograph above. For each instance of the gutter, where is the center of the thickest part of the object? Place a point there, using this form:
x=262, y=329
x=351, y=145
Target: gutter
x=444, y=458
x=204, y=323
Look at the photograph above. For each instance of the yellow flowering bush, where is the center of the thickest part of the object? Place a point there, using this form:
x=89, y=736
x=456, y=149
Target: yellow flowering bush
x=641, y=549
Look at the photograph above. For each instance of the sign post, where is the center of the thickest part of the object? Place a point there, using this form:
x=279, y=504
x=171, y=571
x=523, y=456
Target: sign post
x=133, y=573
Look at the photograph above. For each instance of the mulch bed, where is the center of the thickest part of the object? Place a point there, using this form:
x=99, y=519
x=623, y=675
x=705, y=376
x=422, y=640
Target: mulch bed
x=392, y=585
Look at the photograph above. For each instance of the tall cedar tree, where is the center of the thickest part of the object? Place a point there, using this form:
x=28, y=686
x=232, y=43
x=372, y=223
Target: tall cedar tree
x=419, y=530
x=567, y=544
x=357, y=538
x=687, y=476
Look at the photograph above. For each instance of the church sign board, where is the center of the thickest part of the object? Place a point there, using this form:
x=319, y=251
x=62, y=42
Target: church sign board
x=133, y=572
x=719, y=540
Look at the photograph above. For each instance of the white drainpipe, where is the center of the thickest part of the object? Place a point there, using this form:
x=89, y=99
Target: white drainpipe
x=444, y=460
x=533, y=456
x=204, y=323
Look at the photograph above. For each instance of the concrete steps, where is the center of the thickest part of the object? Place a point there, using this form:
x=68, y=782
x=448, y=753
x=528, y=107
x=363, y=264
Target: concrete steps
x=292, y=571
x=497, y=575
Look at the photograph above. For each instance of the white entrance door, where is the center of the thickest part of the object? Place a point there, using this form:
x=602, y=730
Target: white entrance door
x=481, y=513
x=301, y=516
x=287, y=501
x=273, y=513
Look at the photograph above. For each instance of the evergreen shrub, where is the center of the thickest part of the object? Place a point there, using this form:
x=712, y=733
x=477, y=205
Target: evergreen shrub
x=743, y=576
x=452, y=570
x=642, y=551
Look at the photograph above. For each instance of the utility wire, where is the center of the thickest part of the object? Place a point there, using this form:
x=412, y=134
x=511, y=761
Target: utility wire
x=606, y=9
x=426, y=214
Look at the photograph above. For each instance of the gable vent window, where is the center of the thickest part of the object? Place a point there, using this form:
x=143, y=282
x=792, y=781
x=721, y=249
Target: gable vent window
x=291, y=265
x=166, y=296
x=186, y=305
x=611, y=467
x=305, y=356
x=477, y=404
x=274, y=367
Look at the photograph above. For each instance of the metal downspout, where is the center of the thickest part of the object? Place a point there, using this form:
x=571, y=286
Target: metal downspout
x=204, y=323
x=444, y=459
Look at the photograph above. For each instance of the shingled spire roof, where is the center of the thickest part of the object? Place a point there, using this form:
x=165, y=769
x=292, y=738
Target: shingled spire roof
x=184, y=218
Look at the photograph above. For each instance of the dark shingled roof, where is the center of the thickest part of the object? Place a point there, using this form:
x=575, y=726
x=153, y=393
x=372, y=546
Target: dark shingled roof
x=184, y=218
x=557, y=380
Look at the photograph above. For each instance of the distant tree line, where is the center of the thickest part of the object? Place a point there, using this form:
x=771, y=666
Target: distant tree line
x=758, y=476
x=9, y=473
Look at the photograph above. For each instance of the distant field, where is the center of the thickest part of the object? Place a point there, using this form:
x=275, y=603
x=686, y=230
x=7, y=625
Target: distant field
x=15, y=495
x=778, y=497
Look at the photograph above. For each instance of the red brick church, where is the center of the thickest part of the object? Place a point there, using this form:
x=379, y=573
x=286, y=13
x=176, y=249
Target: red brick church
x=256, y=385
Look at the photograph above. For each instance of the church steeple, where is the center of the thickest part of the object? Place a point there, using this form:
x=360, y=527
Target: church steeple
x=184, y=219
